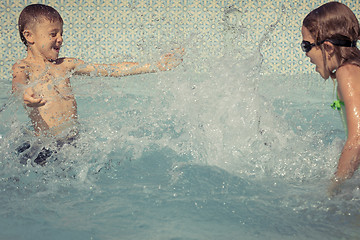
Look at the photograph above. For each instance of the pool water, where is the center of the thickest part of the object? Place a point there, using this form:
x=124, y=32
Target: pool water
x=226, y=153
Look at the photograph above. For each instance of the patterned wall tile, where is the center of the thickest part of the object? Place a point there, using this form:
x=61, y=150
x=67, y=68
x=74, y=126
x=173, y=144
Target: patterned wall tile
x=122, y=30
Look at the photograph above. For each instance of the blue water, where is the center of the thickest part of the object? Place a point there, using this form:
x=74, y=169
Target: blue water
x=226, y=153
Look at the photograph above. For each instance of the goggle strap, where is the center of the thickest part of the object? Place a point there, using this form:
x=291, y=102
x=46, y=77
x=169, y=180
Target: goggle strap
x=340, y=43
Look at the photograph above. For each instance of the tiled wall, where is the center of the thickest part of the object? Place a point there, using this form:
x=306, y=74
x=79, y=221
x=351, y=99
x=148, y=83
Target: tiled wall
x=118, y=30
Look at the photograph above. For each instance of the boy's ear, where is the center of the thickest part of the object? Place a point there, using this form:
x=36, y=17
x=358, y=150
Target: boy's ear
x=28, y=36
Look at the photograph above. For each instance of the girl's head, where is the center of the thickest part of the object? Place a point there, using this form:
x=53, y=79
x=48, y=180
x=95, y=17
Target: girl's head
x=35, y=14
x=335, y=28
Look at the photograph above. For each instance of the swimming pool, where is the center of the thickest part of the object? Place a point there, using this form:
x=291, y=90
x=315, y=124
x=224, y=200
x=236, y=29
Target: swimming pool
x=185, y=155
x=210, y=150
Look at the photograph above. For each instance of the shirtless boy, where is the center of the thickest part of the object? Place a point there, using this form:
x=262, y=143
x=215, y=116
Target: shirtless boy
x=43, y=80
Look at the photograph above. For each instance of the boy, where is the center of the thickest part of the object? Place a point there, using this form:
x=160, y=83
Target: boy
x=43, y=79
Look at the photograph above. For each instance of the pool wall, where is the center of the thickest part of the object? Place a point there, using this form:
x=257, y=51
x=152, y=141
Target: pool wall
x=105, y=31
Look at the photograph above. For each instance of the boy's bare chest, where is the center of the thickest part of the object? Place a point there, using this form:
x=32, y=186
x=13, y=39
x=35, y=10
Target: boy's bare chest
x=50, y=77
x=50, y=82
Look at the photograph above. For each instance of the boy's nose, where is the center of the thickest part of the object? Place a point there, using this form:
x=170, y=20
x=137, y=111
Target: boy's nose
x=60, y=39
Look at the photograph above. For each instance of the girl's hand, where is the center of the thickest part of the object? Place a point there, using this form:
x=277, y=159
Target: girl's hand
x=334, y=187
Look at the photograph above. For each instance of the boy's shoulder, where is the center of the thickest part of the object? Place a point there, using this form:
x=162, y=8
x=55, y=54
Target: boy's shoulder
x=20, y=66
x=69, y=63
x=20, y=72
x=26, y=66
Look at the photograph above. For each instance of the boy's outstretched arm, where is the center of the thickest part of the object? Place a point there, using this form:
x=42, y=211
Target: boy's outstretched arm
x=19, y=83
x=170, y=60
x=167, y=62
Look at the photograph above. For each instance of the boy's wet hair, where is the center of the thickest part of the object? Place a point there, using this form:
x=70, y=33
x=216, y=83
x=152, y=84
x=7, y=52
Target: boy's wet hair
x=36, y=13
x=337, y=22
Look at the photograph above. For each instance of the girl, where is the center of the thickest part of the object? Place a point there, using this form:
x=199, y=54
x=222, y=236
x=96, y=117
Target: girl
x=330, y=33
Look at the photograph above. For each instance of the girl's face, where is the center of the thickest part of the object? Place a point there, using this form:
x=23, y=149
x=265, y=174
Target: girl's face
x=315, y=54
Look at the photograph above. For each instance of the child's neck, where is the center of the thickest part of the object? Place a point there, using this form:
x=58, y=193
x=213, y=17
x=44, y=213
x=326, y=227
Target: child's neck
x=35, y=57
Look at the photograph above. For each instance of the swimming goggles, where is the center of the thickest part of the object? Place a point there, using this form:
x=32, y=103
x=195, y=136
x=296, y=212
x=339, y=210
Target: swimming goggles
x=306, y=46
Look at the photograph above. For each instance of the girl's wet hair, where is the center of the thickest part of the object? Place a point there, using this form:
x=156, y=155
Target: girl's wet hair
x=335, y=21
x=35, y=13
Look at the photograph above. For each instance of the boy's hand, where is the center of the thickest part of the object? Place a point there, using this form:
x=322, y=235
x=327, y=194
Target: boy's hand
x=31, y=101
x=171, y=60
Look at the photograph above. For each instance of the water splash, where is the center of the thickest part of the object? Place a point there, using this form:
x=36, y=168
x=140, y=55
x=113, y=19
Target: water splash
x=217, y=117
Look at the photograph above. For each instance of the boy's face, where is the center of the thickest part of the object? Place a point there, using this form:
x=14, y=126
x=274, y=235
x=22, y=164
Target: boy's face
x=46, y=39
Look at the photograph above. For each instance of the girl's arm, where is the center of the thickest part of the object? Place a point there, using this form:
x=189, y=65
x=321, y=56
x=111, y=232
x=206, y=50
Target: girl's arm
x=348, y=78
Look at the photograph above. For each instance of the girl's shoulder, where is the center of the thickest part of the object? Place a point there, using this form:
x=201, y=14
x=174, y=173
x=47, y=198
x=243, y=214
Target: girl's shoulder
x=348, y=71
x=348, y=79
